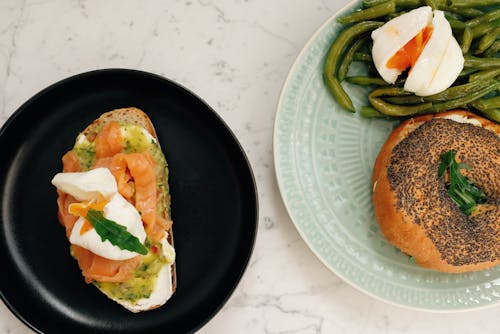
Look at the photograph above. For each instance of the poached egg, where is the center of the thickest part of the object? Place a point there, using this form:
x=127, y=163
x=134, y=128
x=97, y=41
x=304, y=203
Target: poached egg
x=97, y=186
x=423, y=40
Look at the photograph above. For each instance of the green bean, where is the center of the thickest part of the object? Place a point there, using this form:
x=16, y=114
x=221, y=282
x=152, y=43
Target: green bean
x=466, y=40
x=370, y=13
x=481, y=63
x=339, y=93
x=397, y=110
x=396, y=14
x=484, y=27
x=492, y=50
x=478, y=30
x=366, y=81
x=490, y=108
x=394, y=110
x=431, y=4
x=467, y=72
x=360, y=56
x=441, y=4
x=405, y=100
x=371, y=3
x=414, y=3
x=461, y=91
x=465, y=12
x=484, y=104
x=484, y=75
x=455, y=24
x=493, y=114
x=487, y=40
x=348, y=57
x=470, y=12
x=474, y=3
x=399, y=3
x=451, y=93
x=488, y=17
x=333, y=56
x=369, y=112
x=460, y=102
x=390, y=91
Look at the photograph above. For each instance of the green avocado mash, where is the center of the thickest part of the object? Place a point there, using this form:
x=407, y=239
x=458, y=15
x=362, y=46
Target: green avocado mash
x=85, y=151
x=143, y=281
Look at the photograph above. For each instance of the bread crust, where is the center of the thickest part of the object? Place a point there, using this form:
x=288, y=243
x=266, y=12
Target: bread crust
x=397, y=225
x=130, y=115
x=134, y=116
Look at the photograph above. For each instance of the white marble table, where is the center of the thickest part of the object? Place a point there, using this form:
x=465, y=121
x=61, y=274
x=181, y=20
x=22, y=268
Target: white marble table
x=235, y=54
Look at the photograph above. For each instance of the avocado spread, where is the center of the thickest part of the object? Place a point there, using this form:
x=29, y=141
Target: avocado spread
x=143, y=280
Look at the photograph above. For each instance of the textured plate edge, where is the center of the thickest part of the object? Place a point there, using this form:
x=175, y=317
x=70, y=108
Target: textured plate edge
x=284, y=88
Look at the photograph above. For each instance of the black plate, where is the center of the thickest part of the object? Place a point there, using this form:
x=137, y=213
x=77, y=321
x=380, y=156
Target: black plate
x=214, y=206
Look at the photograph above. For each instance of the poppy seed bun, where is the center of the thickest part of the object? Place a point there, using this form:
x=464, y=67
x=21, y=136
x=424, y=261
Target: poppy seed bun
x=412, y=205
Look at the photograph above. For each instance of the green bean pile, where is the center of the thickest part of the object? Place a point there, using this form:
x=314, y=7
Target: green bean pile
x=475, y=25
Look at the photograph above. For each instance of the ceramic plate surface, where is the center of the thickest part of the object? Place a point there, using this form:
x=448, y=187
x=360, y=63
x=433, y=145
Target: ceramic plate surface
x=214, y=206
x=324, y=157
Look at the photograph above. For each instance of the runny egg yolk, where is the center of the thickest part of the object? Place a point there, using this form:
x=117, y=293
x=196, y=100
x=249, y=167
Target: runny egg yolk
x=81, y=209
x=408, y=55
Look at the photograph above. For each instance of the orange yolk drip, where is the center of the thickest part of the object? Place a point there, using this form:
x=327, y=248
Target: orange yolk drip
x=407, y=56
x=81, y=209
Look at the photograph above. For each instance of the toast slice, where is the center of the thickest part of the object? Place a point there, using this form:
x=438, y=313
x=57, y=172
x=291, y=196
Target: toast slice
x=134, y=123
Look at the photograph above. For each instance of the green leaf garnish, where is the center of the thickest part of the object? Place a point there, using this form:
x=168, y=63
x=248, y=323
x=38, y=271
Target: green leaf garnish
x=460, y=189
x=116, y=234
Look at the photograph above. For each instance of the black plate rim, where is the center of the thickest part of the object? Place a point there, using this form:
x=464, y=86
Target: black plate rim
x=181, y=87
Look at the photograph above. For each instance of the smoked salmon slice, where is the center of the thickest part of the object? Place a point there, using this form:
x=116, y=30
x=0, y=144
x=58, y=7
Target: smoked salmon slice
x=142, y=170
x=65, y=218
x=71, y=163
x=136, y=181
x=109, y=141
x=97, y=268
x=118, y=167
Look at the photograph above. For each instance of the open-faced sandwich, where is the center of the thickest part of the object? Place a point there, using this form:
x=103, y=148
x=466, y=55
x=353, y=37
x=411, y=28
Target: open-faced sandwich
x=114, y=203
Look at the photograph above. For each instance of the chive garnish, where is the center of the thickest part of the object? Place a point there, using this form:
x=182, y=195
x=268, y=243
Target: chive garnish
x=116, y=234
x=461, y=190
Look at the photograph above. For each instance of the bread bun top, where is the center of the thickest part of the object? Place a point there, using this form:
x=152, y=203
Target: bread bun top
x=412, y=205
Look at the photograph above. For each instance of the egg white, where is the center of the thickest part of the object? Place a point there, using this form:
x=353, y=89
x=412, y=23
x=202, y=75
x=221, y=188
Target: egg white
x=121, y=212
x=440, y=62
x=98, y=184
x=393, y=35
x=85, y=186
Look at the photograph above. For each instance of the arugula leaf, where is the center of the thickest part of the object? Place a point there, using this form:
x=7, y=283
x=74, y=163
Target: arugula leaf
x=116, y=234
x=461, y=190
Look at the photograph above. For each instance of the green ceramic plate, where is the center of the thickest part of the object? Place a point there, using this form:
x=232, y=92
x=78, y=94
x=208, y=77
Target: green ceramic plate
x=324, y=157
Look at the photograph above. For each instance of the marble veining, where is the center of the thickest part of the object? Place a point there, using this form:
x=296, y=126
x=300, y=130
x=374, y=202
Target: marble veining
x=235, y=54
